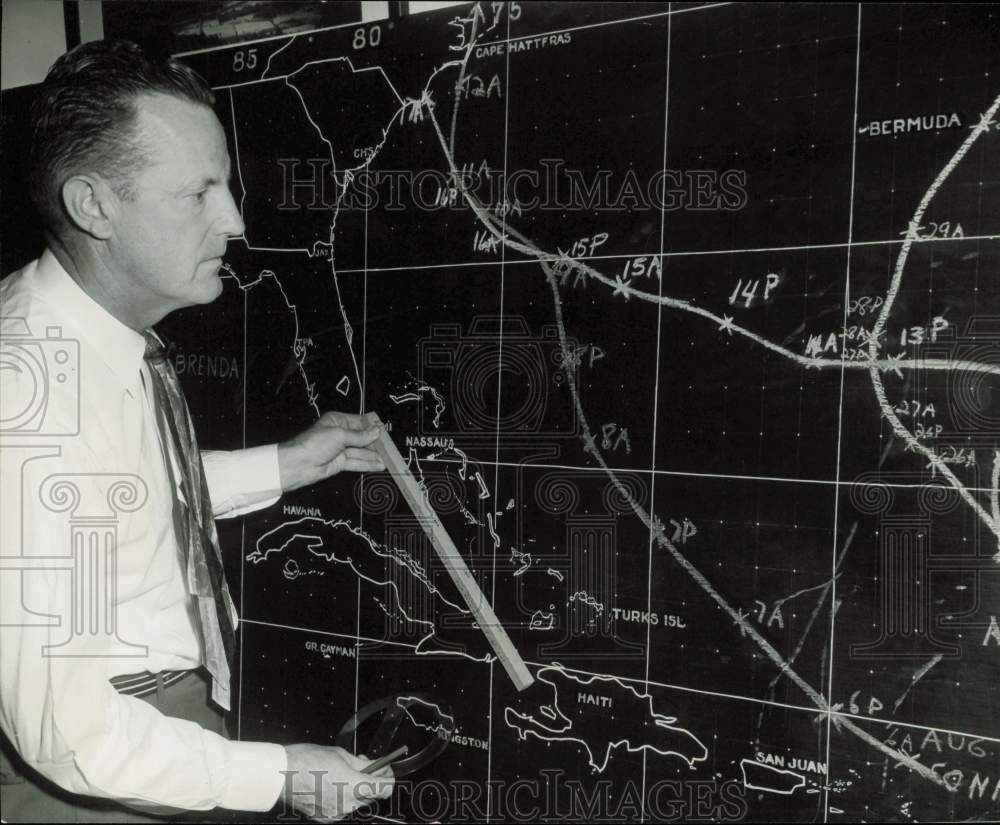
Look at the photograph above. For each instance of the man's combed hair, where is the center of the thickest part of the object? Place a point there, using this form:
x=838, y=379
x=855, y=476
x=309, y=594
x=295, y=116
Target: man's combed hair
x=84, y=117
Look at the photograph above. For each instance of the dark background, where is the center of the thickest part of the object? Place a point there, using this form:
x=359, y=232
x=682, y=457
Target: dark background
x=790, y=475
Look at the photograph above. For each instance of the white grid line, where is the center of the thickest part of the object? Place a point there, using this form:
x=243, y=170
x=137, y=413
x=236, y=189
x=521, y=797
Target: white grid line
x=603, y=23
x=243, y=523
x=811, y=710
x=726, y=476
x=656, y=401
x=840, y=431
x=619, y=256
x=496, y=453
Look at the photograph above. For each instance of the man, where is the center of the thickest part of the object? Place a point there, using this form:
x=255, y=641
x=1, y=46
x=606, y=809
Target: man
x=130, y=171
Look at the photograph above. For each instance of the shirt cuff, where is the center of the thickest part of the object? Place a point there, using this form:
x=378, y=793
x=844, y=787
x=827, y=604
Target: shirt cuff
x=242, y=481
x=255, y=776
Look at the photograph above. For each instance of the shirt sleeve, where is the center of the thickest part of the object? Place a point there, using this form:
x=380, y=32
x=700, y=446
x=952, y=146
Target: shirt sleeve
x=242, y=481
x=57, y=706
x=70, y=725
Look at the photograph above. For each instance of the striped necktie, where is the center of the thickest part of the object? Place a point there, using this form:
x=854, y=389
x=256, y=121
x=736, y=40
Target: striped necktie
x=194, y=523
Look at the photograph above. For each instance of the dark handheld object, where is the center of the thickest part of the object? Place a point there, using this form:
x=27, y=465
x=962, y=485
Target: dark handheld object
x=433, y=727
x=381, y=762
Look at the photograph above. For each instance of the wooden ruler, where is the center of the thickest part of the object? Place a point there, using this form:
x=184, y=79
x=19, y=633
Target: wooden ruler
x=452, y=559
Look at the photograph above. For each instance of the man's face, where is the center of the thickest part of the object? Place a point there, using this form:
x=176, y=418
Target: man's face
x=169, y=240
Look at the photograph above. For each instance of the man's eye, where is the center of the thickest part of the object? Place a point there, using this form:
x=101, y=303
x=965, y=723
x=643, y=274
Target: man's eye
x=200, y=196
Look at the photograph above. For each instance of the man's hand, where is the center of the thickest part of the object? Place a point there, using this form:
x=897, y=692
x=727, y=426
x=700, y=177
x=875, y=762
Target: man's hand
x=337, y=442
x=326, y=783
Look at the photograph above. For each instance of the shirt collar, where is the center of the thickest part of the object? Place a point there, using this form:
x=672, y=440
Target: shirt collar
x=121, y=347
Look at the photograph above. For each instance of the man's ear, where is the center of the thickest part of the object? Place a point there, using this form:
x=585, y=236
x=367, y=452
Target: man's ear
x=90, y=204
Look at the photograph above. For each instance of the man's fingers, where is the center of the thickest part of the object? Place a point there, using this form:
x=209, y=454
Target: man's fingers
x=383, y=789
x=362, y=454
x=333, y=419
x=349, y=421
x=345, y=787
x=354, y=460
x=361, y=460
x=379, y=787
x=341, y=441
x=359, y=438
x=358, y=761
x=352, y=466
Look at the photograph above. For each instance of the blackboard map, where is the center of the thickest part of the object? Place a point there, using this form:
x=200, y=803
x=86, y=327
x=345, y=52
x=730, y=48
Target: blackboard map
x=685, y=316
x=652, y=732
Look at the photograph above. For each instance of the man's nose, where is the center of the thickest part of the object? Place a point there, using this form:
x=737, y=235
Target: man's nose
x=231, y=222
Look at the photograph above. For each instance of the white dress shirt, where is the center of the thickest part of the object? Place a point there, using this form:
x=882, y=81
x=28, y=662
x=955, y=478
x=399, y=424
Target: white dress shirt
x=95, y=424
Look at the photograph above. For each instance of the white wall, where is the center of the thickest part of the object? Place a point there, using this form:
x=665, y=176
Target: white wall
x=91, y=21
x=421, y=6
x=374, y=10
x=34, y=35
